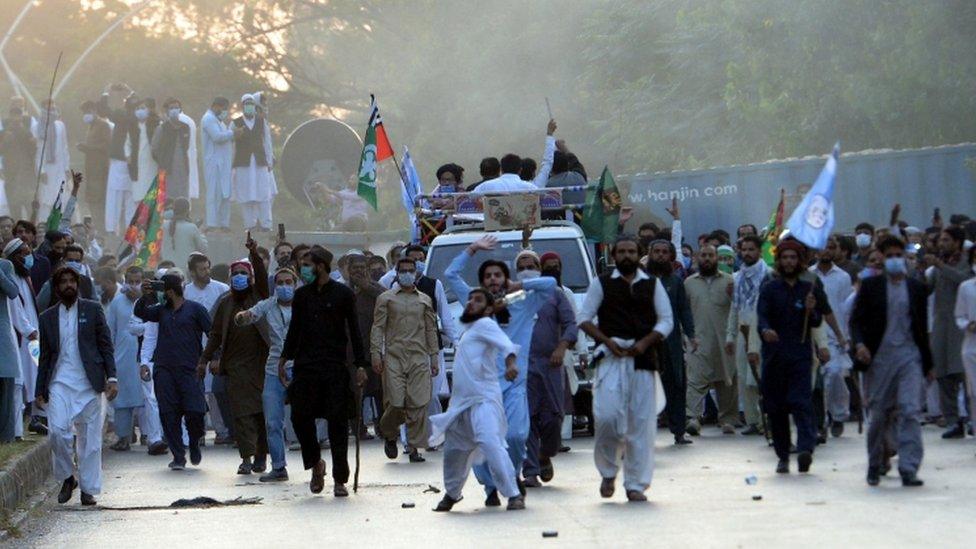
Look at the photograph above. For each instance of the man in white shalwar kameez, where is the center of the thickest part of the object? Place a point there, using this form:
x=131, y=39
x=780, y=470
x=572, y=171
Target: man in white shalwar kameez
x=634, y=319
x=473, y=428
x=23, y=318
x=52, y=137
x=77, y=365
x=253, y=185
x=218, y=155
x=966, y=321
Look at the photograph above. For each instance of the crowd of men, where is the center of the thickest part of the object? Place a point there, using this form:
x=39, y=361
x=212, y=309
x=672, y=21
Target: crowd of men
x=294, y=349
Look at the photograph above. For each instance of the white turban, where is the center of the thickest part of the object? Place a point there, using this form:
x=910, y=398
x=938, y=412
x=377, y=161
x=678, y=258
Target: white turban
x=247, y=97
x=12, y=247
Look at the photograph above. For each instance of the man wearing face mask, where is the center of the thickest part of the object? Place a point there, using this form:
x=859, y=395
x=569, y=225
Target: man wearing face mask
x=403, y=345
x=863, y=239
x=888, y=332
x=126, y=344
x=276, y=310
x=24, y=318
x=73, y=257
x=52, y=140
x=517, y=320
x=170, y=150
x=553, y=334
x=142, y=166
x=949, y=270
x=323, y=324
x=253, y=188
x=243, y=354
x=218, y=155
x=176, y=373
x=96, y=151
x=40, y=268
x=434, y=289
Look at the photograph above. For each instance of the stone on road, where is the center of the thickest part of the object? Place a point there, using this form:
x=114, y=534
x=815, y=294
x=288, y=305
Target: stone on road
x=698, y=499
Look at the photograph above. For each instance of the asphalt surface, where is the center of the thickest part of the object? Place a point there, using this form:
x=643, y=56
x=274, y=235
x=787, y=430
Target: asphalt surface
x=700, y=497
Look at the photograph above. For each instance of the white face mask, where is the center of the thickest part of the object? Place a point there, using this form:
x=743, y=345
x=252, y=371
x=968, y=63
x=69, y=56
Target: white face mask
x=896, y=265
x=863, y=240
x=527, y=274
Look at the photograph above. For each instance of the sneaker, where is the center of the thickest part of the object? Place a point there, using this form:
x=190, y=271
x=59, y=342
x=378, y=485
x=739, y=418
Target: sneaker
x=244, y=468
x=607, y=487
x=492, y=499
x=390, y=449
x=276, y=475
x=532, y=481
x=157, y=448
x=195, y=455
x=415, y=457
x=447, y=503
x=177, y=465
x=783, y=466
x=681, y=440
x=836, y=429
x=803, y=461
x=87, y=499
x=516, y=504
x=728, y=429
x=693, y=428
x=260, y=465
x=546, y=470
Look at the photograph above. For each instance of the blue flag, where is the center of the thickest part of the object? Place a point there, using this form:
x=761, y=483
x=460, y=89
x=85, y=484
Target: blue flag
x=410, y=188
x=812, y=221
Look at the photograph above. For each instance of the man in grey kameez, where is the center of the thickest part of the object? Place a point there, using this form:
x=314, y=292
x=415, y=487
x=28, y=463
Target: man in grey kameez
x=554, y=332
x=950, y=269
x=888, y=331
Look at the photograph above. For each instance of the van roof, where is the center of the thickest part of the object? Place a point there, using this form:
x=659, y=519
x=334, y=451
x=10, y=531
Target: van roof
x=547, y=232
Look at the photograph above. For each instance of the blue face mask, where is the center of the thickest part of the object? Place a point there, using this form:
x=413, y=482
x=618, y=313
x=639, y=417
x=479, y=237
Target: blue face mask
x=239, y=282
x=222, y=115
x=421, y=265
x=249, y=110
x=896, y=265
x=285, y=292
x=142, y=114
x=406, y=279
x=88, y=118
x=174, y=113
x=685, y=261
x=29, y=261
x=74, y=266
x=308, y=275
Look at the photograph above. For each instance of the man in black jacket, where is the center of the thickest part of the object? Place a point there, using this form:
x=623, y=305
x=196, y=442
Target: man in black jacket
x=888, y=332
x=77, y=365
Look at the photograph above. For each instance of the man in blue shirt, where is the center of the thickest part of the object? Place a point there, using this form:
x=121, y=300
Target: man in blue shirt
x=178, y=378
x=787, y=310
x=517, y=321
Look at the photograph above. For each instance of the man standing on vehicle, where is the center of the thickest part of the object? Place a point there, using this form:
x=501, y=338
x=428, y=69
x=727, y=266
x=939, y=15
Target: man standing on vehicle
x=517, y=320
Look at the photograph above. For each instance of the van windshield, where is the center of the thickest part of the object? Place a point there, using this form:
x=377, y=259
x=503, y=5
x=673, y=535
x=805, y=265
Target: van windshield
x=574, y=275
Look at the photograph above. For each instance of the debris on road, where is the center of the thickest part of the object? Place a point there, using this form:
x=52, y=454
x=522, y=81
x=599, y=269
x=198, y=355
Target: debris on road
x=432, y=489
x=550, y=534
x=199, y=502
x=408, y=505
x=756, y=497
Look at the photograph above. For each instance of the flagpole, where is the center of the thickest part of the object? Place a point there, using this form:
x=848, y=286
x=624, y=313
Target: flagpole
x=47, y=120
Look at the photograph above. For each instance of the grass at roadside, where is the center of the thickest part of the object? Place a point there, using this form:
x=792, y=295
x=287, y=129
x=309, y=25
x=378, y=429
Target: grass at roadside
x=11, y=450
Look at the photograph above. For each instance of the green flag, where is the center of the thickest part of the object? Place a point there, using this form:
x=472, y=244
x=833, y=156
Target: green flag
x=367, y=168
x=602, y=212
x=54, y=218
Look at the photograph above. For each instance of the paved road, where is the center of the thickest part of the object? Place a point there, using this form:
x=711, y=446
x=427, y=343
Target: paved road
x=699, y=498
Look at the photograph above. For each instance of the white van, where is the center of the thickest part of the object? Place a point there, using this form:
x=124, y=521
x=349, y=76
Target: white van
x=563, y=237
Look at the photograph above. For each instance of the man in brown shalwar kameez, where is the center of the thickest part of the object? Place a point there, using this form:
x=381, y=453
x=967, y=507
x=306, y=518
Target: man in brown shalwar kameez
x=243, y=353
